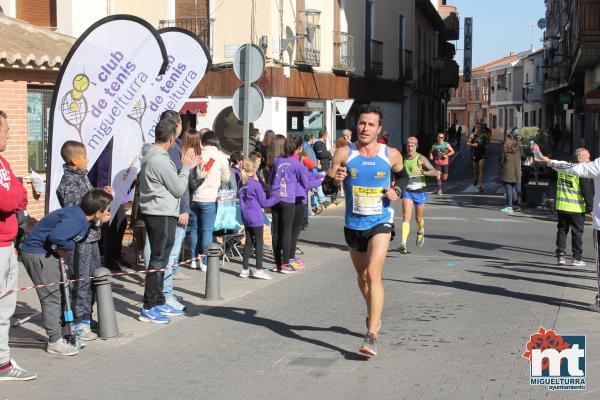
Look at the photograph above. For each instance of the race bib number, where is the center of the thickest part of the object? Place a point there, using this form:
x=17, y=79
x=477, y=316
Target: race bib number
x=367, y=200
x=414, y=183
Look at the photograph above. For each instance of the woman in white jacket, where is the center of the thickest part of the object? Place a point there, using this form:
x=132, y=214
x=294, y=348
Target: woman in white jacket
x=214, y=169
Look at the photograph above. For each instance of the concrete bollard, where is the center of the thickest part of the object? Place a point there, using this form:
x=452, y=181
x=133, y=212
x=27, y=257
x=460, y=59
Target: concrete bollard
x=107, y=318
x=213, y=273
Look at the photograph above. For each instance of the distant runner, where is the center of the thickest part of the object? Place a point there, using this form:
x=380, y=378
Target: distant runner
x=440, y=155
x=417, y=168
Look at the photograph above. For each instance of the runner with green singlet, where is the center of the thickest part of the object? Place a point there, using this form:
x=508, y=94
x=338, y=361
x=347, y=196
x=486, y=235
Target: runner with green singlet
x=440, y=154
x=417, y=167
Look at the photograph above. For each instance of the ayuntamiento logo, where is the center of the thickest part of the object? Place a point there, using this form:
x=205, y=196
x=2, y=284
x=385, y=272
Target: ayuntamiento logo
x=556, y=361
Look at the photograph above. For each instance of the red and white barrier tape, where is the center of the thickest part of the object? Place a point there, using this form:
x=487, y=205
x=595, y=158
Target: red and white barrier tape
x=144, y=271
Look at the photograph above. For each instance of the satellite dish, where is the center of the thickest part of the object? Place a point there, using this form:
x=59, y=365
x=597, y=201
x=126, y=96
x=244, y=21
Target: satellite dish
x=542, y=23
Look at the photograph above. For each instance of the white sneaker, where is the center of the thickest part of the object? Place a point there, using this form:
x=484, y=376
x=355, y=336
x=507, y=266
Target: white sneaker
x=193, y=264
x=262, y=274
x=172, y=301
x=578, y=263
x=245, y=273
x=202, y=266
x=62, y=347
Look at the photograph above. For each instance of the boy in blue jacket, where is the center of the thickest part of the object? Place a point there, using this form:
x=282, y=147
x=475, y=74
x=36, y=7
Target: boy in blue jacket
x=52, y=238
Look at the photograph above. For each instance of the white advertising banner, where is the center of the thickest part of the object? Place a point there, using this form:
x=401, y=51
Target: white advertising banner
x=106, y=70
x=188, y=60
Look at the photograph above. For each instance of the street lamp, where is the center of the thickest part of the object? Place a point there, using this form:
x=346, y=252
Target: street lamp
x=310, y=18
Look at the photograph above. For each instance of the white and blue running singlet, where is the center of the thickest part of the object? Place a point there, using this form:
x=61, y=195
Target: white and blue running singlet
x=366, y=206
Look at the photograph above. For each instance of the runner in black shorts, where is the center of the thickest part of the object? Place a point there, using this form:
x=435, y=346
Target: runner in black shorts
x=365, y=168
x=478, y=142
x=440, y=154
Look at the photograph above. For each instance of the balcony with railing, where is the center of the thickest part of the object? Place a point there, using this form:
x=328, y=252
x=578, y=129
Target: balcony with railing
x=407, y=70
x=309, y=52
x=376, y=62
x=201, y=27
x=585, y=28
x=451, y=22
x=343, y=52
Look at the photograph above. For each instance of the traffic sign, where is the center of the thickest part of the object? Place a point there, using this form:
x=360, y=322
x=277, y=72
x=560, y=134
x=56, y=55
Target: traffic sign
x=256, y=103
x=256, y=62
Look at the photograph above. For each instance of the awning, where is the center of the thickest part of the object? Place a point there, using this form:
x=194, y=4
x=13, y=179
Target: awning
x=194, y=107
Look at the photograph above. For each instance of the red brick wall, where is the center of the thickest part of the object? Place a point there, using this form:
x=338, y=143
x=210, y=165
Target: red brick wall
x=13, y=101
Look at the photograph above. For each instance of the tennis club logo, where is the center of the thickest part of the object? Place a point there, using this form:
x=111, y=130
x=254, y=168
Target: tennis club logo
x=556, y=361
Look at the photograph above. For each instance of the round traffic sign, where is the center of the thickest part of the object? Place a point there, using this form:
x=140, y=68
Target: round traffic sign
x=256, y=103
x=256, y=63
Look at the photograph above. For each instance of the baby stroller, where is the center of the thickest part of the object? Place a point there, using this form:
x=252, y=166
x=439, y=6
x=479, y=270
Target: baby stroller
x=315, y=205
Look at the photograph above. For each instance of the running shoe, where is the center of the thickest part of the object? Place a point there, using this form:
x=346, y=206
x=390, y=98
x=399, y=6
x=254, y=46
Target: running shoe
x=287, y=269
x=402, y=248
x=62, y=347
x=167, y=310
x=578, y=263
x=297, y=263
x=439, y=192
x=507, y=210
x=480, y=189
x=420, y=238
x=153, y=315
x=369, y=347
x=174, y=303
x=193, y=264
x=16, y=373
x=560, y=260
x=245, y=273
x=516, y=208
x=262, y=274
x=84, y=331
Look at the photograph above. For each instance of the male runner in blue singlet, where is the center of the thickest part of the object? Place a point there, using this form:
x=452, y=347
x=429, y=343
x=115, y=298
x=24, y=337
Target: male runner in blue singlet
x=365, y=168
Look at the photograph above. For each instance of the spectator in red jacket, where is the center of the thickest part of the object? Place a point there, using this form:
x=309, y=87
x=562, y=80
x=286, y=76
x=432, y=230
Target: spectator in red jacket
x=13, y=198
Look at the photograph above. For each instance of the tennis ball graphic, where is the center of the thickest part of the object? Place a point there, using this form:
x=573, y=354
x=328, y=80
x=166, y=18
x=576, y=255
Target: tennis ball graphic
x=74, y=107
x=76, y=94
x=81, y=82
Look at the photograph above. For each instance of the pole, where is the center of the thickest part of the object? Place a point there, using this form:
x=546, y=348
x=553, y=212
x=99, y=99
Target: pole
x=246, y=131
x=213, y=280
x=107, y=318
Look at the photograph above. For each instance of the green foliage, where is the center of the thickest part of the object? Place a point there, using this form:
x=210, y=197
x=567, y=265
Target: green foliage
x=529, y=133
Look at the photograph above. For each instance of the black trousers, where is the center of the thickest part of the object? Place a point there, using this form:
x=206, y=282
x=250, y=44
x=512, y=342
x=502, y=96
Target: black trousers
x=254, y=238
x=575, y=222
x=285, y=229
x=114, y=238
x=161, y=235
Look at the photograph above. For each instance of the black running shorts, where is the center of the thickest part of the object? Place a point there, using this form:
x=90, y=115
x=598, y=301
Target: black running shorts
x=442, y=168
x=359, y=240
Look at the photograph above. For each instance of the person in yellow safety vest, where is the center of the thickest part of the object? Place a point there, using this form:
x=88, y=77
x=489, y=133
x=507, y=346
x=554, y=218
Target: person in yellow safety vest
x=574, y=198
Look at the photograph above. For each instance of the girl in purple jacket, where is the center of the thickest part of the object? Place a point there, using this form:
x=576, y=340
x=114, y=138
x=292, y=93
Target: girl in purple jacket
x=252, y=201
x=289, y=180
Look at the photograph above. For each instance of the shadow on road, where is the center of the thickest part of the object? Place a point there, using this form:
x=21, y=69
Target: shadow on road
x=498, y=291
x=249, y=316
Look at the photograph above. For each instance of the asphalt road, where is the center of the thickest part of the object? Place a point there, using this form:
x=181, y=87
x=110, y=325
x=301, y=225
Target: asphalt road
x=458, y=314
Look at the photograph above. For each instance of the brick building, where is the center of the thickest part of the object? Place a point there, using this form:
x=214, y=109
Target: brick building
x=30, y=58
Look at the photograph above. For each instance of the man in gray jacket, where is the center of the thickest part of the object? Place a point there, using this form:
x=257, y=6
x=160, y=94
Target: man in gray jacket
x=161, y=188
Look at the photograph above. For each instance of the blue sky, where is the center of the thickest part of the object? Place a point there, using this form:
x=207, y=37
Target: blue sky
x=499, y=27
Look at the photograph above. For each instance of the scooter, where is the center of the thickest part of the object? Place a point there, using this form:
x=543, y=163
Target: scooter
x=68, y=312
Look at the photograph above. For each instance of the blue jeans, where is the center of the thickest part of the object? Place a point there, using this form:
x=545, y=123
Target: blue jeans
x=201, y=237
x=320, y=193
x=173, y=259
